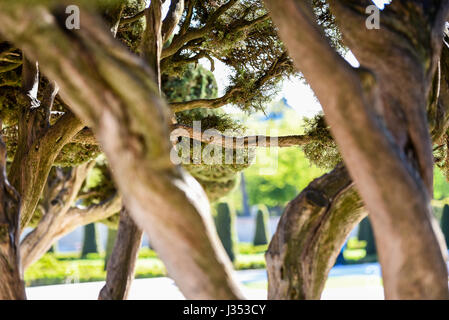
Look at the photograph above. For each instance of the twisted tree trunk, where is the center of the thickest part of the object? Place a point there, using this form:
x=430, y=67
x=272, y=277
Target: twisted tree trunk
x=378, y=118
x=112, y=91
x=310, y=234
x=121, y=264
x=291, y=265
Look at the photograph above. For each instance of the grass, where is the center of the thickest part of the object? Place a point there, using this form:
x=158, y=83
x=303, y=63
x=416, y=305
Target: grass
x=58, y=268
x=62, y=268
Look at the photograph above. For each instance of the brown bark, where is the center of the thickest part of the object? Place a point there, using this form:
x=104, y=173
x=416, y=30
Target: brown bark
x=238, y=142
x=174, y=14
x=152, y=41
x=113, y=92
x=310, y=234
x=121, y=264
x=58, y=197
x=56, y=224
x=38, y=143
x=395, y=183
x=12, y=286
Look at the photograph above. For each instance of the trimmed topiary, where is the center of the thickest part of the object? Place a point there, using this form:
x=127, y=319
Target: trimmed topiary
x=225, y=224
x=90, y=240
x=445, y=223
x=366, y=234
x=262, y=232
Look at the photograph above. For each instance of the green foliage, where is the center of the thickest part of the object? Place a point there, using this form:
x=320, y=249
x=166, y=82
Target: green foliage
x=322, y=150
x=250, y=261
x=445, y=223
x=225, y=225
x=74, y=154
x=262, y=232
x=249, y=248
x=112, y=235
x=196, y=82
x=146, y=253
x=440, y=184
x=366, y=234
x=90, y=240
x=51, y=269
x=292, y=173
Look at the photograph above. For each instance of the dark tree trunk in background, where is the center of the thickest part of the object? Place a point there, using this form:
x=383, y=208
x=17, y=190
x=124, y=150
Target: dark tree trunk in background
x=245, y=200
x=445, y=223
x=121, y=265
x=90, y=240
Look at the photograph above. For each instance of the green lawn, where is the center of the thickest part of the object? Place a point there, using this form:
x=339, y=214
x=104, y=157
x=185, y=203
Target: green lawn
x=66, y=268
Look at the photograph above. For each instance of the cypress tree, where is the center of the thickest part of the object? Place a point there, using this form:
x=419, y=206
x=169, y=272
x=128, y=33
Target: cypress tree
x=90, y=240
x=445, y=223
x=225, y=224
x=262, y=232
x=366, y=234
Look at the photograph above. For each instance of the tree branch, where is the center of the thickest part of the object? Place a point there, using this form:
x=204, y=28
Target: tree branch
x=390, y=186
x=131, y=124
x=58, y=196
x=172, y=18
x=238, y=142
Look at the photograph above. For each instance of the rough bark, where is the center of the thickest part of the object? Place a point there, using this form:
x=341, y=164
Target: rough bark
x=12, y=286
x=152, y=42
x=310, y=234
x=38, y=143
x=394, y=179
x=121, y=265
x=113, y=92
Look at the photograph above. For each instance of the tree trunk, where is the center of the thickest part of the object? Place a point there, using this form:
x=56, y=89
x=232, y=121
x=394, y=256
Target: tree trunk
x=245, y=202
x=121, y=265
x=12, y=286
x=113, y=92
x=310, y=234
x=378, y=118
x=112, y=235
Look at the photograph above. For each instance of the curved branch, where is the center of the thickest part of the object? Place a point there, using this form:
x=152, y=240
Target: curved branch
x=179, y=40
x=133, y=18
x=174, y=14
x=59, y=195
x=310, y=234
x=394, y=193
x=131, y=123
x=238, y=142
